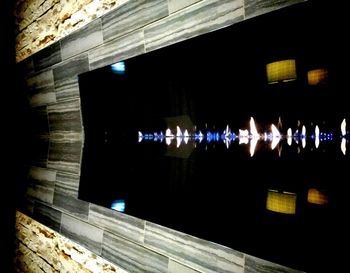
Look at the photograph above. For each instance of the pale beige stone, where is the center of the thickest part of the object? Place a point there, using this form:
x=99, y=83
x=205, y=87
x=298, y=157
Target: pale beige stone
x=43, y=22
x=40, y=249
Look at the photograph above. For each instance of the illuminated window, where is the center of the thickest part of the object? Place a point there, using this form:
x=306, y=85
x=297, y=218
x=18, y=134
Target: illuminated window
x=118, y=68
x=314, y=196
x=281, y=71
x=282, y=202
x=317, y=76
x=118, y=205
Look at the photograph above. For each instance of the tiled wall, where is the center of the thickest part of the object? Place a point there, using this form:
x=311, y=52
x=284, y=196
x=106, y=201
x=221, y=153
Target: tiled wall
x=55, y=120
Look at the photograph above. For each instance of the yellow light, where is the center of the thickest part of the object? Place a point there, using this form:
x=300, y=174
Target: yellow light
x=281, y=71
x=281, y=202
x=314, y=196
x=317, y=76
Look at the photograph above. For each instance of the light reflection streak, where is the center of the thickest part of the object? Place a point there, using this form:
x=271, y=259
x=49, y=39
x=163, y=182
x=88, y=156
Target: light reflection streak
x=245, y=136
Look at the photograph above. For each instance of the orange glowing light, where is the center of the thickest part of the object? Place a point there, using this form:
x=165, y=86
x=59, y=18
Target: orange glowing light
x=317, y=197
x=317, y=76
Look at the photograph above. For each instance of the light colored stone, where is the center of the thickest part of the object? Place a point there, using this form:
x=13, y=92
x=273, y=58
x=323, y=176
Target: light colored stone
x=40, y=249
x=40, y=23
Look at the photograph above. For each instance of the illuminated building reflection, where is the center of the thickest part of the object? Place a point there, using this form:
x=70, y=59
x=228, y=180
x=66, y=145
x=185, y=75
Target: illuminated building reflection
x=281, y=202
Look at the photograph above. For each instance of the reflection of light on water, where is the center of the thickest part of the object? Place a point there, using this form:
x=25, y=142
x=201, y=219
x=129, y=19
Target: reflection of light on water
x=245, y=136
x=289, y=136
x=317, y=136
x=343, y=127
x=276, y=136
x=118, y=205
x=343, y=145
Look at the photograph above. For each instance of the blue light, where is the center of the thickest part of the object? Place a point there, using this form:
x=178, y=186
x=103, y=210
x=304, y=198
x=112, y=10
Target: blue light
x=118, y=68
x=118, y=205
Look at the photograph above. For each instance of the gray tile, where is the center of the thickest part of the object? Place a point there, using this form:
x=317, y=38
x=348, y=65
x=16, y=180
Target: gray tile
x=25, y=67
x=132, y=257
x=131, y=16
x=81, y=232
x=119, y=49
x=121, y=224
x=67, y=184
x=41, y=183
x=41, y=88
x=71, y=205
x=258, y=7
x=256, y=265
x=176, y=5
x=201, y=18
x=199, y=254
x=66, y=76
x=48, y=216
x=47, y=56
x=175, y=267
x=65, y=116
x=65, y=156
x=82, y=40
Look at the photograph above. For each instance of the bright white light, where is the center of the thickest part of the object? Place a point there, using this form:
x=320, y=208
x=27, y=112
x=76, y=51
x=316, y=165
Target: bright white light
x=317, y=136
x=289, y=136
x=178, y=141
x=178, y=131
x=276, y=136
x=252, y=147
x=343, y=127
x=168, y=140
x=118, y=205
x=186, y=134
x=168, y=133
x=118, y=68
x=343, y=145
x=253, y=130
x=303, y=131
x=227, y=131
x=303, y=142
x=243, y=136
x=140, y=136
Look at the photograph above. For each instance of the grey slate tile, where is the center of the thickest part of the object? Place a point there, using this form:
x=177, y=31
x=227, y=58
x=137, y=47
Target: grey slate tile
x=202, y=255
x=66, y=79
x=118, y=223
x=82, y=40
x=175, y=267
x=71, y=205
x=119, y=49
x=256, y=265
x=258, y=7
x=41, y=88
x=132, y=257
x=81, y=232
x=176, y=5
x=132, y=15
x=65, y=116
x=41, y=184
x=203, y=17
x=65, y=156
x=67, y=184
x=48, y=216
x=47, y=56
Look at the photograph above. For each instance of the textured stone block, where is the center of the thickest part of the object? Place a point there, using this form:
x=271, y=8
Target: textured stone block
x=116, y=50
x=175, y=267
x=71, y=205
x=41, y=88
x=41, y=184
x=199, y=254
x=131, y=16
x=47, y=216
x=47, y=57
x=66, y=77
x=82, y=40
x=258, y=7
x=193, y=21
x=176, y=5
x=82, y=232
x=132, y=257
x=256, y=265
x=67, y=184
x=121, y=224
x=65, y=156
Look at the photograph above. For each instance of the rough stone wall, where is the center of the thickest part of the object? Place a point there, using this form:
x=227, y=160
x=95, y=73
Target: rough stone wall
x=39, y=23
x=40, y=249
